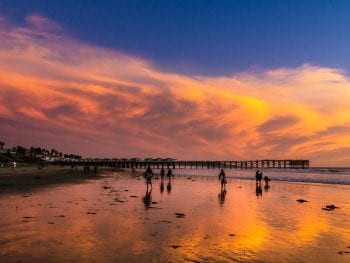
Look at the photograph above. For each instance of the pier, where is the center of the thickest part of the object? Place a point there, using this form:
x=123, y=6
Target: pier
x=176, y=164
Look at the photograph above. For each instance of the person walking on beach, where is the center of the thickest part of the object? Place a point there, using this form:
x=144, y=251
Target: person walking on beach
x=14, y=165
x=148, y=176
x=222, y=178
x=170, y=173
x=258, y=176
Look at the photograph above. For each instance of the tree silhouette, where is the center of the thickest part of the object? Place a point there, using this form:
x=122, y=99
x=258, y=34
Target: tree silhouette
x=20, y=151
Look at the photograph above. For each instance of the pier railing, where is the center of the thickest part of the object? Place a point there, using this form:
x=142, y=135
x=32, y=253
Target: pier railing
x=176, y=164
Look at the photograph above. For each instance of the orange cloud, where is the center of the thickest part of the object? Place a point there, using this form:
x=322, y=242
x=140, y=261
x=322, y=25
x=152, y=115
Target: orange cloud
x=58, y=92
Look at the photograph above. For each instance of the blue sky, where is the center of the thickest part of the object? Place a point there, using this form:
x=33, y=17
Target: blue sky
x=181, y=79
x=206, y=37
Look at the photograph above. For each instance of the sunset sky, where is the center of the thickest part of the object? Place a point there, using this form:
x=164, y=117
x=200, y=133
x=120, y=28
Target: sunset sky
x=228, y=80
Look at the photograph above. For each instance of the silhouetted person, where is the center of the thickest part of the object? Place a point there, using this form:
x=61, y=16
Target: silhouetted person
x=258, y=176
x=222, y=178
x=222, y=196
x=170, y=173
x=95, y=169
x=258, y=190
x=147, y=199
x=148, y=176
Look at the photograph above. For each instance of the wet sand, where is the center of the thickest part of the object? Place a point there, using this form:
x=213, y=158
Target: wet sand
x=117, y=219
x=28, y=177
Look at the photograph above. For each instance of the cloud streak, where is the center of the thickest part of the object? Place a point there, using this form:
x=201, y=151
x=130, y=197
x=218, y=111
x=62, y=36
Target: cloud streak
x=59, y=92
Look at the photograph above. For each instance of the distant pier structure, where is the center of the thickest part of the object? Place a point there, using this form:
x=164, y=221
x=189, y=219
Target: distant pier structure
x=176, y=164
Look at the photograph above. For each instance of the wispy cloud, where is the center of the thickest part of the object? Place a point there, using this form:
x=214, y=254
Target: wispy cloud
x=59, y=92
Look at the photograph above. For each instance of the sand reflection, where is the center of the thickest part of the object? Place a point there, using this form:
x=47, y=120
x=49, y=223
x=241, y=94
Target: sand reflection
x=120, y=219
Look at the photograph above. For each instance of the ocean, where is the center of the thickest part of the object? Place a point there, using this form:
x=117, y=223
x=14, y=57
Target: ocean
x=312, y=175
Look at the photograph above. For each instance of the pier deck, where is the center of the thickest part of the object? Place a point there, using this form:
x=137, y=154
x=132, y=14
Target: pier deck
x=175, y=164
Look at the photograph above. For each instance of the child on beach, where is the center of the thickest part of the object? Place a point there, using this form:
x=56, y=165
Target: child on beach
x=222, y=178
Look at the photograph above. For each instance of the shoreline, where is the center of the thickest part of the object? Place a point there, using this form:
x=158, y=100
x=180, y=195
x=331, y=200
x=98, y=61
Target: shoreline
x=28, y=177
x=310, y=177
x=279, y=182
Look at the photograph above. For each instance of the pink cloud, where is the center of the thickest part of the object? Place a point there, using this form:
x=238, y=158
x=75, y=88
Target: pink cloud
x=56, y=91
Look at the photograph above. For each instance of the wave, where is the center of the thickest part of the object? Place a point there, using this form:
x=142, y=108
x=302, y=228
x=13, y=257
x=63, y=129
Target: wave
x=339, y=176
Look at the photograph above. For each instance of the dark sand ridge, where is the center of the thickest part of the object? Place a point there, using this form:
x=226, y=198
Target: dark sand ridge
x=28, y=177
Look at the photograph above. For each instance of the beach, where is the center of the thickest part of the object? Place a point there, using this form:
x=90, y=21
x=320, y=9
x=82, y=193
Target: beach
x=114, y=217
x=27, y=177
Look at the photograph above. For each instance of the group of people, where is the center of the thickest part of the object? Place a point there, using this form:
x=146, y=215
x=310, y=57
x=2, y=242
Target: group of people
x=147, y=199
x=259, y=177
x=149, y=175
x=222, y=178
